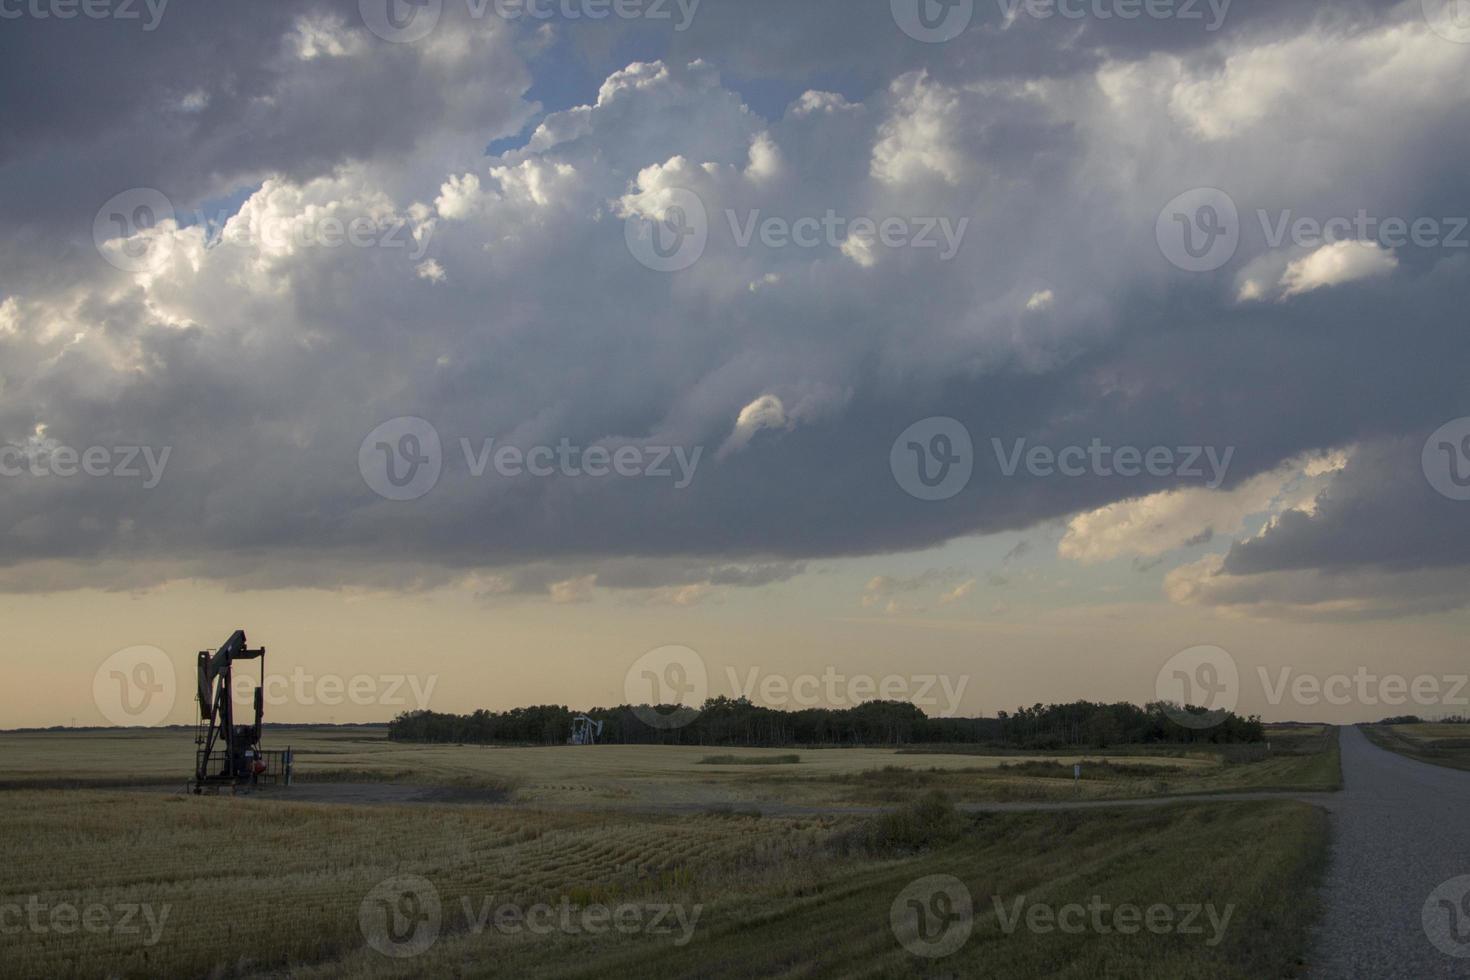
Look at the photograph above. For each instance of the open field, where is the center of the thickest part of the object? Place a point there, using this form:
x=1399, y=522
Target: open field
x=567, y=874
x=242, y=887
x=1437, y=744
x=1301, y=759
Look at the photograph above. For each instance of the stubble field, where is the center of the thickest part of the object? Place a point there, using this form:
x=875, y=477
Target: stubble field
x=641, y=776
x=611, y=860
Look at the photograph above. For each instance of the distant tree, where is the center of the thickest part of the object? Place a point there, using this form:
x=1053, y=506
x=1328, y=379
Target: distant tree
x=724, y=721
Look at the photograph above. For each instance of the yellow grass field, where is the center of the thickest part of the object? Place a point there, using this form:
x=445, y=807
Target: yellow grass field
x=1436, y=743
x=612, y=775
x=243, y=887
x=271, y=883
x=1433, y=731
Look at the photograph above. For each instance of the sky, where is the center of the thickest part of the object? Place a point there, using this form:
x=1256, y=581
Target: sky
x=976, y=353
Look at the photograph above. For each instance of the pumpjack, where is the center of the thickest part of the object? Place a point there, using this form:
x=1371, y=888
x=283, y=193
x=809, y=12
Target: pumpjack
x=229, y=755
x=585, y=731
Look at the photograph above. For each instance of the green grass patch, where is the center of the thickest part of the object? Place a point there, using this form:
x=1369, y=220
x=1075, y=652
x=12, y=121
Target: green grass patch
x=1423, y=742
x=1261, y=862
x=808, y=897
x=927, y=822
x=1294, y=759
x=1091, y=769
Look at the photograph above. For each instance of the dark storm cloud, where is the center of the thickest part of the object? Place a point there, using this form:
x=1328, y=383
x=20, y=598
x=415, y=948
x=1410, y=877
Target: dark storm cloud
x=1379, y=512
x=218, y=96
x=1059, y=321
x=1203, y=537
x=806, y=40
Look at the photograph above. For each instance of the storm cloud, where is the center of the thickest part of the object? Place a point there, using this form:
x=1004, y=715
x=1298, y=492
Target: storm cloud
x=506, y=295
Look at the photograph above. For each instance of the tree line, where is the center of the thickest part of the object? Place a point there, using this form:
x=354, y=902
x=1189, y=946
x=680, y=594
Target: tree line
x=1417, y=720
x=724, y=721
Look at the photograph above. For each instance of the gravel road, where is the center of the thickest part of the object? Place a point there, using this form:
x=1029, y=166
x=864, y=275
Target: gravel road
x=1401, y=829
